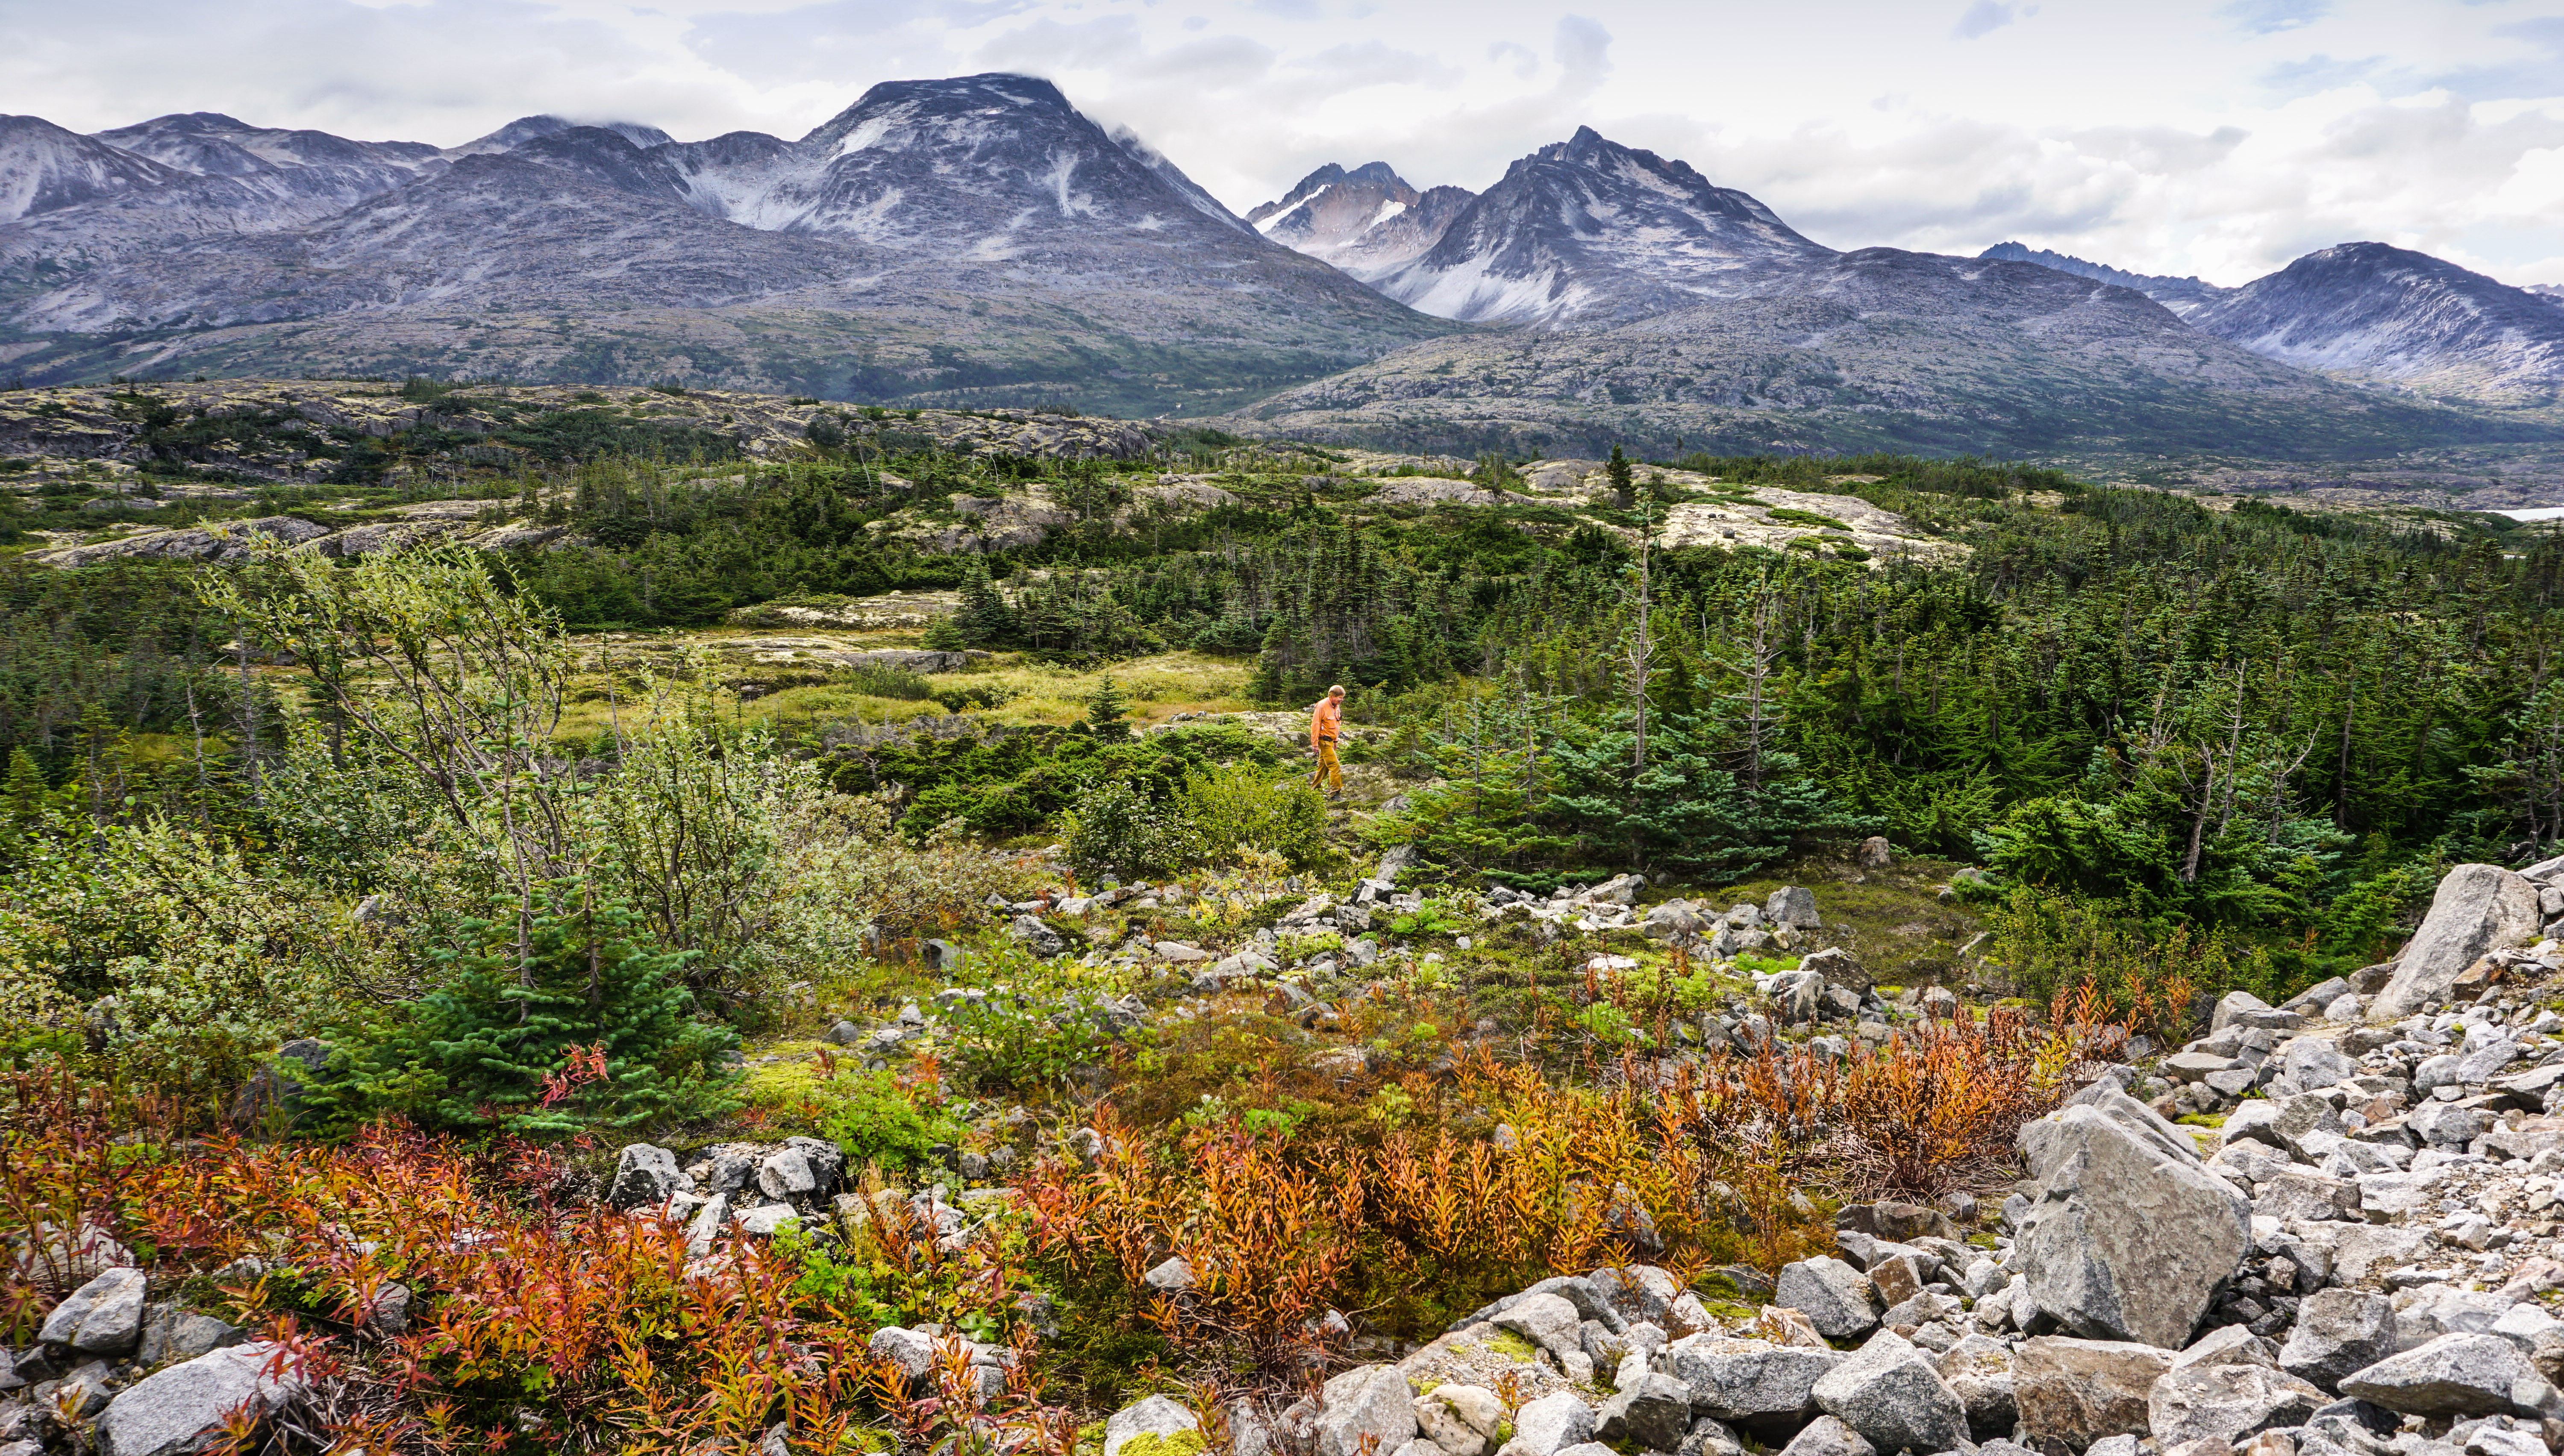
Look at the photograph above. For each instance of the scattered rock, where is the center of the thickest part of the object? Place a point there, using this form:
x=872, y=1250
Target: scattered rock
x=2478, y=907
x=173, y=1411
x=1374, y=1402
x=2077, y=1392
x=2339, y=1332
x=1836, y=1298
x=1889, y=1392
x=101, y=1317
x=2456, y=1374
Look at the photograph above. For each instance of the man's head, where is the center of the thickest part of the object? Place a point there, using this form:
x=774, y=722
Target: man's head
x=1337, y=692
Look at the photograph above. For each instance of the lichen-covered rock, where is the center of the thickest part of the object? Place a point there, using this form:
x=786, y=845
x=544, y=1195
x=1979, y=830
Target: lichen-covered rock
x=2477, y=908
x=2228, y=1401
x=177, y=1410
x=2456, y=1374
x=1158, y=1426
x=1461, y=1420
x=2339, y=1332
x=101, y=1317
x=1549, y=1425
x=1747, y=1381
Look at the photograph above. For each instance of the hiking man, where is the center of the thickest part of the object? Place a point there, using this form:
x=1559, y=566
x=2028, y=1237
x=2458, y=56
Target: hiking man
x=1326, y=721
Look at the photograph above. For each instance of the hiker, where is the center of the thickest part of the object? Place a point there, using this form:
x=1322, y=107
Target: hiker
x=1324, y=721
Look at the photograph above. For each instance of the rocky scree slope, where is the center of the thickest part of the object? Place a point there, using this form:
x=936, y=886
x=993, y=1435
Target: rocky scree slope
x=976, y=233
x=2362, y=1268
x=2385, y=316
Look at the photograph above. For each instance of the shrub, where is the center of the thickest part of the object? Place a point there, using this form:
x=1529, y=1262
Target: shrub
x=1118, y=830
x=876, y=1120
x=562, y=1022
x=1010, y=1040
x=1229, y=808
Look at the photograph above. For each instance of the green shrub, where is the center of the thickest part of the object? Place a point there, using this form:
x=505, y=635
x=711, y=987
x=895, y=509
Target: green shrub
x=1232, y=806
x=498, y=1048
x=1010, y=1042
x=876, y=680
x=1118, y=830
x=875, y=1120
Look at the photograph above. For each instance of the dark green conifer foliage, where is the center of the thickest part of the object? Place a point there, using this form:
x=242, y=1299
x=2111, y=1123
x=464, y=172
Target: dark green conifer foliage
x=484, y=1049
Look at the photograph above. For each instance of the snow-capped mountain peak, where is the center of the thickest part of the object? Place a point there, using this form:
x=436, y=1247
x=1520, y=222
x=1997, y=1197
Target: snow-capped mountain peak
x=1589, y=231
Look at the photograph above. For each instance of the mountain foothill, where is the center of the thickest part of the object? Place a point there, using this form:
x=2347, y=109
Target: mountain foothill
x=978, y=240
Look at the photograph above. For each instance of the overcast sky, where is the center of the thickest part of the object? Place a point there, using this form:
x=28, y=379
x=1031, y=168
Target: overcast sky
x=2220, y=138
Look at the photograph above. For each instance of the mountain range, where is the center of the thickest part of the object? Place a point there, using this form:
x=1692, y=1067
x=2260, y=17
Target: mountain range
x=980, y=240
x=938, y=241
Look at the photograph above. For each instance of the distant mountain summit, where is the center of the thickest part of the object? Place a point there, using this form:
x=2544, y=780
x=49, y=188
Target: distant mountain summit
x=1367, y=221
x=971, y=239
x=1587, y=232
x=44, y=168
x=2381, y=314
x=2183, y=296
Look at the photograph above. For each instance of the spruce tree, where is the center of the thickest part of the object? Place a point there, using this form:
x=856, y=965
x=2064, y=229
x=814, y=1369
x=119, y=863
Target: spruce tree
x=1106, y=708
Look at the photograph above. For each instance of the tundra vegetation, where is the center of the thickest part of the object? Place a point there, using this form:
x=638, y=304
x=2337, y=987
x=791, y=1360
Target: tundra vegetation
x=368, y=924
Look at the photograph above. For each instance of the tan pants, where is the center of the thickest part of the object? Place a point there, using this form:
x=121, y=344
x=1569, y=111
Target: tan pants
x=1331, y=771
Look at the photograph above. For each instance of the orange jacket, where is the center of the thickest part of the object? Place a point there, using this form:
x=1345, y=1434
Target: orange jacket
x=1325, y=719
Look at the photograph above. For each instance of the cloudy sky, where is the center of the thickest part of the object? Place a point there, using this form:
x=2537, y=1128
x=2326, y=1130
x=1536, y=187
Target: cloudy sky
x=2220, y=138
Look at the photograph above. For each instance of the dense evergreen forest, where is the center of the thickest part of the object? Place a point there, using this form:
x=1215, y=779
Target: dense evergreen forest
x=2256, y=718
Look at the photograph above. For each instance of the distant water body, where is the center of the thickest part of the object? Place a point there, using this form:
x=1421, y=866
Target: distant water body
x=2533, y=512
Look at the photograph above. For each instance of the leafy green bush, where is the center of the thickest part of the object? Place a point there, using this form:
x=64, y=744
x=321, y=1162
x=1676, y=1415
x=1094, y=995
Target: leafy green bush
x=1236, y=805
x=876, y=680
x=578, y=1024
x=1118, y=830
x=1012, y=1042
x=876, y=1120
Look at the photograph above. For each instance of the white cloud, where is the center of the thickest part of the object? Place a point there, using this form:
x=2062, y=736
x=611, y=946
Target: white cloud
x=2211, y=136
x=1982, y=18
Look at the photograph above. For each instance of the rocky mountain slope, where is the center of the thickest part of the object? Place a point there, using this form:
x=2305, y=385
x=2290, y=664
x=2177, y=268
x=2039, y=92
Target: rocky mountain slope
x=1367, y=221
x=44, y=168
x=1588, y=232
x=935, y=238
x=2183, y=296
x=2379, y=314
x=1868, y=349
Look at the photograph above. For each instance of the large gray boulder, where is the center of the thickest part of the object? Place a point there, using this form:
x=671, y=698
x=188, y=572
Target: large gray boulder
x=180, y=1409
x=1368, y=1400
x=1889, y=1392
x=2130, y=1238
x=2478, y=907
x=2228, y=1401
x=1747, y=1381
x=647, y=1177
x=1652, y=1409
x=1546, y=1321
x=2077, y=1391
x=1158, y=1415
x=1462, y=1421
x=2456, y=1374
x=101, y=1317
x=2339, y=1332
x=1828, y=1436
x=1978, y=1371
x=1837, y=1299
x=1549, y=1425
